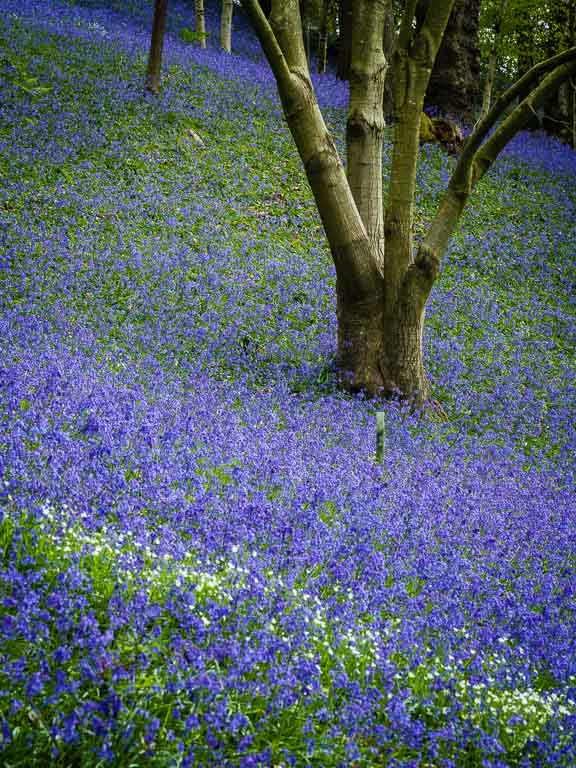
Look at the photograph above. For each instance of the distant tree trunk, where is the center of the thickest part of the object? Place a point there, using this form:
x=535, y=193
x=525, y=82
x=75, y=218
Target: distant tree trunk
x=571, y=84
x=305, y=14
x=323, y=38
x=559, y=117
x=345, y=18
x=492, y=61
x=200, y=22
x=454, y=81
x=156, y=46
x=226, y=25
x=389, y=41
x=525, y=44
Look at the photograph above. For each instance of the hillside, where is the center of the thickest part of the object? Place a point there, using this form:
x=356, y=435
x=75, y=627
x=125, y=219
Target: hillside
x=202, y=564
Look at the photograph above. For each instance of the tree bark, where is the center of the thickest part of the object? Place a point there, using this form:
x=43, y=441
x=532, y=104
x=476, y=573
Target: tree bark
x=345, y=14
x=226, y=25
x=365, y=124
x=389, y=45
x=305, y=11
x=382, y=286
x=345, y=11
x=492, y=61
x=156, y=46
x=200, y=22
x=454, y=81
x=323, y=38
x=559, y=117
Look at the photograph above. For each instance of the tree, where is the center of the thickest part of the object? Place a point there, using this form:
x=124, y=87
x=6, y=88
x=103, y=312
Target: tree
x=526, y=32
x=323, y=36
x=453, y=84
x=226, y=25
x=305, y=14
x=345, y=16
x=156, y=46
x=200, y=22
x=493, y=59
x=389, y=42
x=382, y=281
x=560, y=113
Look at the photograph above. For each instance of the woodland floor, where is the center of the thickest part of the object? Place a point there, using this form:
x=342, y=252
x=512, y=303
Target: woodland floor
x=201, y=563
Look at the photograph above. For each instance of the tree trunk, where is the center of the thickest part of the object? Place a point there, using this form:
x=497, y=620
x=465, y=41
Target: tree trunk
x=345, y=11
x=323, y=38
x=454, y=81
x=200, y=22
x=380, y=352
x=305, y=15
x=558, y=119
x=226, y=25
x=571, y=84
x=389, y=45
x=365, y=124
x=156, y=46
x=382, y=284
x=492, y=61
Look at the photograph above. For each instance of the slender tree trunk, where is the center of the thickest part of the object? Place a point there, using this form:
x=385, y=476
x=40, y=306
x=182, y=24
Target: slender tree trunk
x=323, y=38
x=492, y=61
x=570, y=86
x=345, y=11
x=156, y=46
x=558, y=119
x=200, y=22
x=226, y=25
x=305, y=12
x=525, y=41
x=389, y=46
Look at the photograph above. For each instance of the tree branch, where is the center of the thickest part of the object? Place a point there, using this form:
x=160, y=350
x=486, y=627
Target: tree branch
x=406, y=24
x=480, y=132
x=268, y=41
x=469, y=172
x=356, y=269
x=434, y=25
x=286, y=24
x=521, y=115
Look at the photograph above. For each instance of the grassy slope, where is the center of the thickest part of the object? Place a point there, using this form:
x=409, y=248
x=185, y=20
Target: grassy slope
x=167, y=337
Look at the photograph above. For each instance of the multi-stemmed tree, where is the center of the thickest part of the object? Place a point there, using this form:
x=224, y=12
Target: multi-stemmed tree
x=382, y=280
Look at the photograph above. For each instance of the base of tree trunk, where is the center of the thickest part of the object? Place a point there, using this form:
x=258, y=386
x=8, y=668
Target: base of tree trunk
x=379, y=353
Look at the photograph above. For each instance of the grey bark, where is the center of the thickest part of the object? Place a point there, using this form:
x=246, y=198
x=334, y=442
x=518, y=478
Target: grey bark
x=200, y=22
x=226, y=25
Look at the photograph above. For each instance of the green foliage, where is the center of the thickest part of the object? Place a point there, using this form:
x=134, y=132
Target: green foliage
x=16, y=70
x=191, y=36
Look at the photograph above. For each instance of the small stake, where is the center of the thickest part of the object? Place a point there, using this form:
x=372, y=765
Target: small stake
x=380, y=426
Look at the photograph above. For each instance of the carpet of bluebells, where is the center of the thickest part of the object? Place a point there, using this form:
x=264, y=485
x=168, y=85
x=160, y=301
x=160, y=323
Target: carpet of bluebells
x=201, y=564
